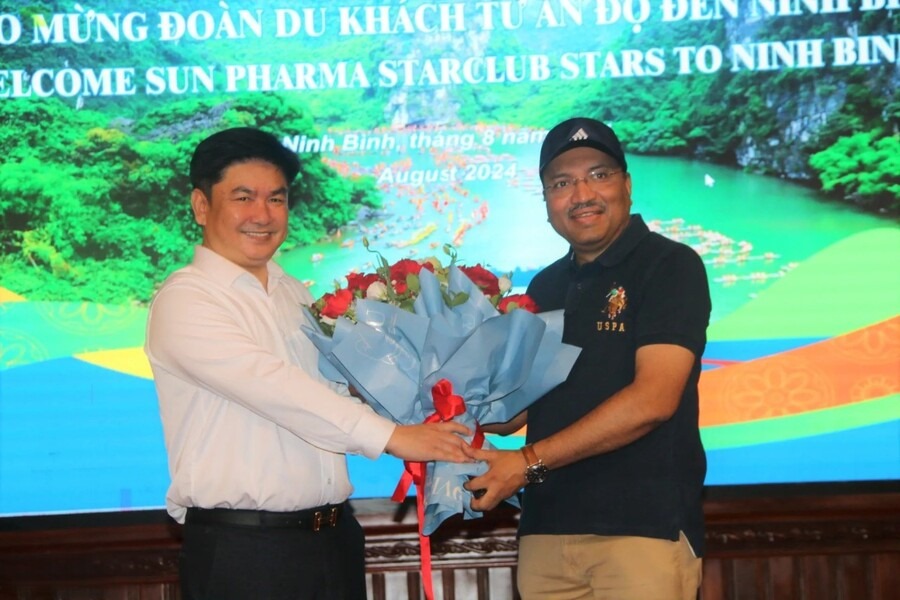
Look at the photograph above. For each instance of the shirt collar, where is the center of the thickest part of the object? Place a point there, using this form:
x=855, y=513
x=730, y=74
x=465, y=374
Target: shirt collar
x=620, y=248
x=223, y=271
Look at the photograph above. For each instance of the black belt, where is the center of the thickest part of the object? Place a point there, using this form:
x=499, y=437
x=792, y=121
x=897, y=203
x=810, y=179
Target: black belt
x=312, y=518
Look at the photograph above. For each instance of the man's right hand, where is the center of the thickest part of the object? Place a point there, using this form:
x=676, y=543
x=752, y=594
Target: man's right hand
x=429, y=441
x=504, y=477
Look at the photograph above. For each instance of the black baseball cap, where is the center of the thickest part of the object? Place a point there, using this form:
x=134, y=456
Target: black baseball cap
x=578, y=132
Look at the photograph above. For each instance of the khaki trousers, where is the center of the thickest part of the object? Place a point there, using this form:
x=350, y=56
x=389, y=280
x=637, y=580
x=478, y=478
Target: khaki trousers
x=594, y=567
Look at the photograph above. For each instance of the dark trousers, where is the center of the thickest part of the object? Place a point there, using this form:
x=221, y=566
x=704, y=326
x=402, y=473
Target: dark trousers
x=234, y=562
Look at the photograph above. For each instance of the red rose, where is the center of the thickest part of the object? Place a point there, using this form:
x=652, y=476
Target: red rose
x=520, y=301
x=336, y=304
x=361, y=281
x=400, y=270
x=404, y=267
x=484, y=279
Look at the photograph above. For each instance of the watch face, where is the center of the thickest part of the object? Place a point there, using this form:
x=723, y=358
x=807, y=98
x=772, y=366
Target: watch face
x=536, y=473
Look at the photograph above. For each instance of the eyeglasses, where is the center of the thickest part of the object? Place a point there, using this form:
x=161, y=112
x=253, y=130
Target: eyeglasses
x=596, y=180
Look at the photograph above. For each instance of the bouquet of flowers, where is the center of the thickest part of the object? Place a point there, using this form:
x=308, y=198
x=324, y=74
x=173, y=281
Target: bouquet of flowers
x=421, y=341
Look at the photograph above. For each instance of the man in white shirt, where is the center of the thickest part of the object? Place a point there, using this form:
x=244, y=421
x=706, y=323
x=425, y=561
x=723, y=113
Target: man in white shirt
x=256, y=438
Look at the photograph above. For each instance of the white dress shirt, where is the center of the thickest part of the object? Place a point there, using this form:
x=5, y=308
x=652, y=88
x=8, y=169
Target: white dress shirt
x=248, y=421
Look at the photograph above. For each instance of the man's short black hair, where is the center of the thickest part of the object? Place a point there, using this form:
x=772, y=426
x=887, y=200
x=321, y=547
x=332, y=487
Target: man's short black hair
x=238, y=145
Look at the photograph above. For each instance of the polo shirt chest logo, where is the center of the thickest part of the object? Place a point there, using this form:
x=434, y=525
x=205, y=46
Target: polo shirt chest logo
x=616, y=302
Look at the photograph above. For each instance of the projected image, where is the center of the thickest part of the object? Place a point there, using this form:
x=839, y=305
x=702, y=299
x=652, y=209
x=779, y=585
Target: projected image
x=763, y=134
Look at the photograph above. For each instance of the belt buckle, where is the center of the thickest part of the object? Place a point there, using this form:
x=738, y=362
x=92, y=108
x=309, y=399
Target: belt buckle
x=320, y=518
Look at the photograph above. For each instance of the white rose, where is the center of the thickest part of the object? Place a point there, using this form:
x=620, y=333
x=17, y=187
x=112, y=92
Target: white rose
x=505, y=284
x=377, y=290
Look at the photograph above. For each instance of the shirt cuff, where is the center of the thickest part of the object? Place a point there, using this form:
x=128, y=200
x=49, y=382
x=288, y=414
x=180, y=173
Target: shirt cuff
x=372, y=432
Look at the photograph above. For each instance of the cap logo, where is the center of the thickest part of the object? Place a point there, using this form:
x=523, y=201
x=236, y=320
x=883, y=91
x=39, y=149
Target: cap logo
x=581, y=134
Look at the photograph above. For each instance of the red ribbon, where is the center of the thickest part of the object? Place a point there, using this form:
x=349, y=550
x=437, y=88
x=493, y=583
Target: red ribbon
x=446, y=406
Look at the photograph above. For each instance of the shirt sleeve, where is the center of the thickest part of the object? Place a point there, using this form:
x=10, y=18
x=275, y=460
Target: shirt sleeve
x=676, y=303
x=203, y=338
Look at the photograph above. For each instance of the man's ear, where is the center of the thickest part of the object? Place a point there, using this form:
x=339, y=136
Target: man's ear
x=200, y=206
x=628, y=187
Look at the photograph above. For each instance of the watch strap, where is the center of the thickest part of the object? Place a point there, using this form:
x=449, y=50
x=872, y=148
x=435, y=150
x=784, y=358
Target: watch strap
x=530, y=455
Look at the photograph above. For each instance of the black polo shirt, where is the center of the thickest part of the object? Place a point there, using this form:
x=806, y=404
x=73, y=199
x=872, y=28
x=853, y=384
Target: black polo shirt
x=644, y=289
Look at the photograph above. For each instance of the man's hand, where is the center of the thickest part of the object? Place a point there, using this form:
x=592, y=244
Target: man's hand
x=429, y=441
x=505, y=476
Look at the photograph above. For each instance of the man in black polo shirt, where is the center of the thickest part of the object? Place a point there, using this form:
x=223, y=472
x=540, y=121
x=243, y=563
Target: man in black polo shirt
x=613, y=466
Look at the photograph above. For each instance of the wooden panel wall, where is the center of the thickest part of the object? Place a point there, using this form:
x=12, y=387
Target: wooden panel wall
x=839, y=547
x=836, y=547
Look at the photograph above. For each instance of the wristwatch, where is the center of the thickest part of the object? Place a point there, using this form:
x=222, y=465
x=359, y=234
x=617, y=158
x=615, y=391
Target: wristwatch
x=536, y=471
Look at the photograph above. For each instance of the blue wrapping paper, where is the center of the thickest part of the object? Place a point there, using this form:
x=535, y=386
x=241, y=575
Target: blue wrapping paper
x=499, y=364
